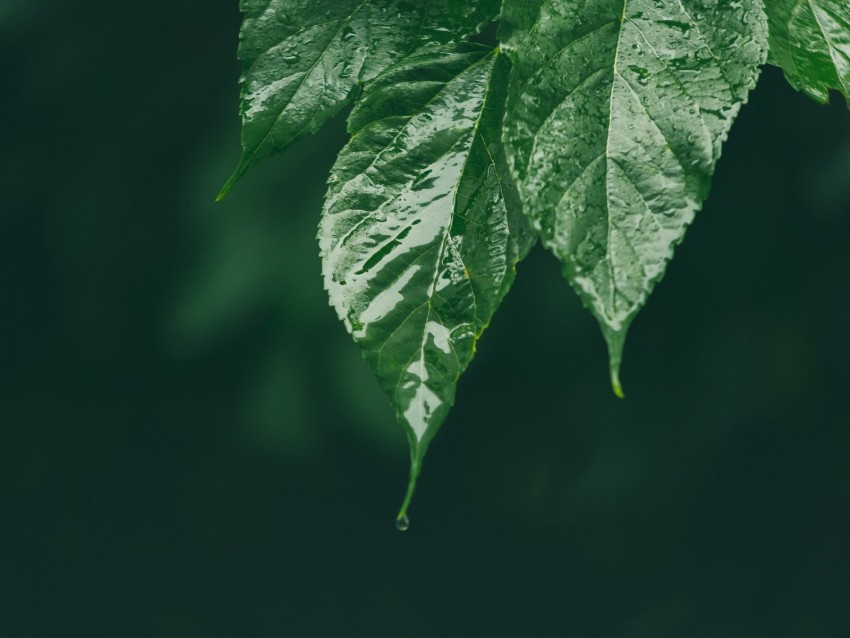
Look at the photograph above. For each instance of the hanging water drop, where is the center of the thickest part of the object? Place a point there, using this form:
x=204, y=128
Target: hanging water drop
x=402, y=523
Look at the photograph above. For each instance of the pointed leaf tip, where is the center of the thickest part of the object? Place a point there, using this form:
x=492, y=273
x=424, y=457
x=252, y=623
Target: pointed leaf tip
x=402, y=522
x=223, y=192
x=616, y=340
x=616, y=386
x=240, y=171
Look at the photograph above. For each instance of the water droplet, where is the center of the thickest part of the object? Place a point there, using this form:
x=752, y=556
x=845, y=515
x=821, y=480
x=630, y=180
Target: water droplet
x=402, y=524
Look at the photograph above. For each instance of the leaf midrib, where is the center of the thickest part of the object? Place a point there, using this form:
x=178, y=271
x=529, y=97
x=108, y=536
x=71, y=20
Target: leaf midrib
x=608, y=252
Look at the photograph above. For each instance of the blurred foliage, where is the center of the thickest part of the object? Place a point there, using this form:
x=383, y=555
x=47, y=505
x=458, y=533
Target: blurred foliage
x=258, y=266
x=190, y=445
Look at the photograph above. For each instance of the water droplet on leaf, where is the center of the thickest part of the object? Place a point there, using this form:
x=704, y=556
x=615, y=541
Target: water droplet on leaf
x=402, y=524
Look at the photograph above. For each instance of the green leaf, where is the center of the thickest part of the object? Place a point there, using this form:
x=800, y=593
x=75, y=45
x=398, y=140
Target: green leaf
x=616, y=115
x=304, y=59
x=810, y=42
x=422, y=229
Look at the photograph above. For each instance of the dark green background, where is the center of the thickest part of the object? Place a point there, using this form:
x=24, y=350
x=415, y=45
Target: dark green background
x=190, y=445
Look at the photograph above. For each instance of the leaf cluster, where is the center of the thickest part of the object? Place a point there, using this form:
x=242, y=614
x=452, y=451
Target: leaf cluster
x=594, y=127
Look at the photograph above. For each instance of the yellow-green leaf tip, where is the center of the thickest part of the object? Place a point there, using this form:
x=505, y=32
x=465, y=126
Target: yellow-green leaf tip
x=616, y=385
x=616, y=340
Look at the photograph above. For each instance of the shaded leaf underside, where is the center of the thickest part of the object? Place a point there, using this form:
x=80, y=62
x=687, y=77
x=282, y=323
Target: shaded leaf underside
x=810, y=41
x=304, y=59
x=616, y=115
x=421, y=230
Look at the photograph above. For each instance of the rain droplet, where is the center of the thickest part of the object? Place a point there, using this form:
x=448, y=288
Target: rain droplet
x=402, y=524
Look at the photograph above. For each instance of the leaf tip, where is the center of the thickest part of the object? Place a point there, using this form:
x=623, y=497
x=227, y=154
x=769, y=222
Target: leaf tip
x=240, y=171
x=417, y=453
x=616, y=340
x=402, y=522
x=616, y=385
x=227, y=186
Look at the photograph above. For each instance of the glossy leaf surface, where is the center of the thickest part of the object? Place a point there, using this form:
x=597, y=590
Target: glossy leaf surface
x=304, y=59
x=422, y=229
x=616, y=115
x=810, y=41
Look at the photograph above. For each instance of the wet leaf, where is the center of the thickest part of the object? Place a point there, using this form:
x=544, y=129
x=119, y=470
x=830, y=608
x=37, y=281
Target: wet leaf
x=616, y=115
x=304, y=59
x=422, y=228
x=810, y=41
